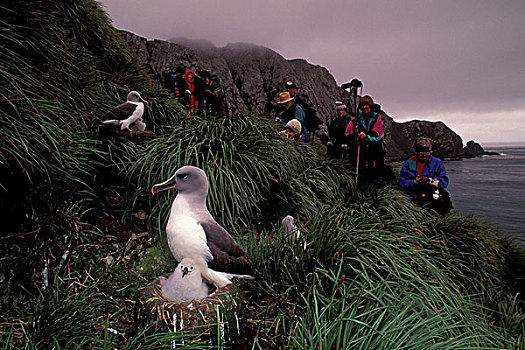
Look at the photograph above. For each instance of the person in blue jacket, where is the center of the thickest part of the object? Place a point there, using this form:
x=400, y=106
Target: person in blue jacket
x=291, y=111
x=424, y=178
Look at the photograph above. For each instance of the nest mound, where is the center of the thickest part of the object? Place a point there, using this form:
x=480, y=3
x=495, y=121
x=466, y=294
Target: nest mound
x=215, y=315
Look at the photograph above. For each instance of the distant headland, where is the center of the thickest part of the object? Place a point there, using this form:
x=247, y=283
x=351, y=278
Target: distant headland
x=252, y=75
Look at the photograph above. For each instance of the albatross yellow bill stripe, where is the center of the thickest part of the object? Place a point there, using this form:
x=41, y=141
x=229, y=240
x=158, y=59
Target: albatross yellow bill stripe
x=169, y=183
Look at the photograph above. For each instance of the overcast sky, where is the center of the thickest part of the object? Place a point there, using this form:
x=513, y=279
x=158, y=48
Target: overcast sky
x=459, y=61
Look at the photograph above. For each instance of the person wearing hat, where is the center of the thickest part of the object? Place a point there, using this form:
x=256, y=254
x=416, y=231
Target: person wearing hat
x=191, y=101
x=337, y=144
x=290, y=87
x=213, y=100
x=293, y=130
x=365, y=134
x=311, y=120
x=291, y=111
x=424, y=178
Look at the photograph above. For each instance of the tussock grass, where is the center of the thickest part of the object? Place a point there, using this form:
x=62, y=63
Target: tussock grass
x=380, y=283
x=251, y=168
x=64, y=317
x=353, y=315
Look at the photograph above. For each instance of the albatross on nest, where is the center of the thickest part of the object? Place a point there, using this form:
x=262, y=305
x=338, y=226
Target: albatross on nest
x=128, y=115
x=193, y=233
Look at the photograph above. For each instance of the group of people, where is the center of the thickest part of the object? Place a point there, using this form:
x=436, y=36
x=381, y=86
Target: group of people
x=198, y=93
x=294, y=115
x=361, y=137
x=358, y=134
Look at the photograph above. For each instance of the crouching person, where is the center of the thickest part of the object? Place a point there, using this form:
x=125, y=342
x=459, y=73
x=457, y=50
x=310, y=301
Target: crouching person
x=424, y=178
x=292, y=130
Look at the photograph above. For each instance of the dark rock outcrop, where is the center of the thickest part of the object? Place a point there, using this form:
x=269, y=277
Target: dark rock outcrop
x=399, y=140
x=252, y=76
x=473, y=149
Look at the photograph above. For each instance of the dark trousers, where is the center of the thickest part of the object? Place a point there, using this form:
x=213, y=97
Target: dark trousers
x=371, y=156
x=334, y=151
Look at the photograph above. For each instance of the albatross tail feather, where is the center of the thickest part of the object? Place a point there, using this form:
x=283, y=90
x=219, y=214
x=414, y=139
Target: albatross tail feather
x=112, y=122
x=244, y=277
x=219, y=279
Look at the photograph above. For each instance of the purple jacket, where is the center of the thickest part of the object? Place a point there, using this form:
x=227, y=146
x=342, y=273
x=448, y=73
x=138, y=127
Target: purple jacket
x=434, y=169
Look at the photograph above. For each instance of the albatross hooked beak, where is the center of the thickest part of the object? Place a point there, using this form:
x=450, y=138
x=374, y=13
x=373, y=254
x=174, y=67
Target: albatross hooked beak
x=143, y=100
x=166, y=185
x=184, y=271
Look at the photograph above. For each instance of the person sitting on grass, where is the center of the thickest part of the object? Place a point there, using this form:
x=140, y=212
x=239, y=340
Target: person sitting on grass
x=424, y=178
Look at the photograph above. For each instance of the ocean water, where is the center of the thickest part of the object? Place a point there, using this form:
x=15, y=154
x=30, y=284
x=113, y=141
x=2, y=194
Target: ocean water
x=492, y=187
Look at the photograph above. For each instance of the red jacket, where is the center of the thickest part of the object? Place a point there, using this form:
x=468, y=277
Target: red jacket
x=191, y=102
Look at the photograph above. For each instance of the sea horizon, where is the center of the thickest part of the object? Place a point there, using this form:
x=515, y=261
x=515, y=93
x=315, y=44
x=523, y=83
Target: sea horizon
x=491, y=187
x=502, y=144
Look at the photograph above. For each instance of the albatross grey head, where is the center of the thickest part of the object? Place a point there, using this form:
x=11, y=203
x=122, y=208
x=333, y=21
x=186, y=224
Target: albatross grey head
x=134, y=96
x=188, y=180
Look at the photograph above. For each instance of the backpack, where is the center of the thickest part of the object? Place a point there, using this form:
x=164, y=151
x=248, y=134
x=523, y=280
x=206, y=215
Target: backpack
x=429, y=198
x=311, y=120
x=169, y=80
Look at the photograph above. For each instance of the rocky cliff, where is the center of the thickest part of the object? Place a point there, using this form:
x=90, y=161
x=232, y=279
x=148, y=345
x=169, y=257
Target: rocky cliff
x=252, y=76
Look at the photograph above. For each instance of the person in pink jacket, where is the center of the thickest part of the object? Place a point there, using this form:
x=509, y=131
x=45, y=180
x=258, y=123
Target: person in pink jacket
x=365, y=133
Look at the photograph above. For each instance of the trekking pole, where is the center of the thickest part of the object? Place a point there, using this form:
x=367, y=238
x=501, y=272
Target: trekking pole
x=356, y=85
x=357, y=166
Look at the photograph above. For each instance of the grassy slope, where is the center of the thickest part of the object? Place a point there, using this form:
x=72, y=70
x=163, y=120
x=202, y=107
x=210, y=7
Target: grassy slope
x=376, y=273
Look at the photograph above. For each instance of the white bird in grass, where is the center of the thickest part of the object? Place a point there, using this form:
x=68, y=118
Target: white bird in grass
x=185, y=283
x=193, y=233
x=289, y=227
x=291, y=230
x=128, y=115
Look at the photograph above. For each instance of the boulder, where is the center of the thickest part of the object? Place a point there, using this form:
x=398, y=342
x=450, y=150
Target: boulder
x=473, y=149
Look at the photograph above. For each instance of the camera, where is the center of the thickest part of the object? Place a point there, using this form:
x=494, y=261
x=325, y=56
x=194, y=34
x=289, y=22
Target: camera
x=433, y=182
x=355, y=83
